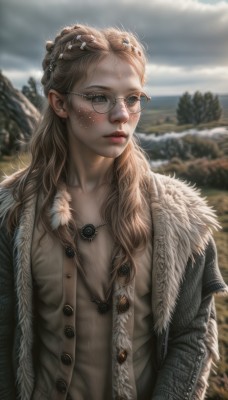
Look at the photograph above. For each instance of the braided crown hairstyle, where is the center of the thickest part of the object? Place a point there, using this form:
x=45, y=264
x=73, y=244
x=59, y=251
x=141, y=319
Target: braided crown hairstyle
x=75, y=48
x=66, y=61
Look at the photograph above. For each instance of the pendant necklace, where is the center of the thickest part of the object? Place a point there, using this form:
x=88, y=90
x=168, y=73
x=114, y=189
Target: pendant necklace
x=88, y=232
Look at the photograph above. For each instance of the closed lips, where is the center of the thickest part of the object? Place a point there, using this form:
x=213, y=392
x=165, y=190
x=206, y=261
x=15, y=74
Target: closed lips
x=117, y=134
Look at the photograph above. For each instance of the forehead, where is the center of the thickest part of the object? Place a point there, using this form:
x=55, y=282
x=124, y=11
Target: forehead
x=112, y=72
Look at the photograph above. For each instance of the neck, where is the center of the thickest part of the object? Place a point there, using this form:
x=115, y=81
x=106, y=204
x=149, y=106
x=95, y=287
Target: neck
x=89, y=174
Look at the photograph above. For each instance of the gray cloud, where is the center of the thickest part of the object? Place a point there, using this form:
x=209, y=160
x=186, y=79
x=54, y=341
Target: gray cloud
x=184, y=33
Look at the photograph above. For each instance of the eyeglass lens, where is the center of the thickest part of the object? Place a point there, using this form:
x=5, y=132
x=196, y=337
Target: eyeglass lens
x=104, y=103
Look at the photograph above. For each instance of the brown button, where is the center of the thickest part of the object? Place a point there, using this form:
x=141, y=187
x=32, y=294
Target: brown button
x=69, y=251
x=69, y=331
x=124, y=270
x=122, y=356
x=61, y=385
x=66, y=359
x=123, y=304
x=68, y=310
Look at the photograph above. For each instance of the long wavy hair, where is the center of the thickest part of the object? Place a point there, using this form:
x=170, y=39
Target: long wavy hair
x=66, y=61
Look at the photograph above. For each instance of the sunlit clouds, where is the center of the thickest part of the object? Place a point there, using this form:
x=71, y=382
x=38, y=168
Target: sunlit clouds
x=186, y=40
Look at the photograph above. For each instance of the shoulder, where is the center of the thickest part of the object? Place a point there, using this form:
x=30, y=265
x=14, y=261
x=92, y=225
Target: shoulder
x=183, y=211
x=168, y=188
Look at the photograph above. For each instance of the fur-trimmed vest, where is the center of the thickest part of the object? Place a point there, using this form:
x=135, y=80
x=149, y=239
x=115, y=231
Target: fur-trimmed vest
x=184, y=277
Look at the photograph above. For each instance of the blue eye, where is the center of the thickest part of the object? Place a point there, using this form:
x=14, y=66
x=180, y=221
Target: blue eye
x=132, y=100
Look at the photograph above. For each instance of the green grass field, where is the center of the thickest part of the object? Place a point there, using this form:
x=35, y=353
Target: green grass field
x=161, y=121
x=160, y=116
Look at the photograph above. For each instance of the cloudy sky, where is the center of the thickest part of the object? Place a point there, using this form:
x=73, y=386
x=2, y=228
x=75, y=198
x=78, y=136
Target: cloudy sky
x=187, y=40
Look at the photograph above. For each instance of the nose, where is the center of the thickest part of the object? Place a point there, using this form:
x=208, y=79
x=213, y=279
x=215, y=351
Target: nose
x=119, y=113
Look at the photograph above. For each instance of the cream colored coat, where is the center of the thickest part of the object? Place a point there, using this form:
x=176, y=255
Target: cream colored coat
x=184, y=272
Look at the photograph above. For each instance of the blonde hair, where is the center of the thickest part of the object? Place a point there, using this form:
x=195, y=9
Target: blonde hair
x=66, y=62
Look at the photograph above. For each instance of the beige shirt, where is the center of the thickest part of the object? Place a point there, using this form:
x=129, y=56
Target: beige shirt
x=91, y=375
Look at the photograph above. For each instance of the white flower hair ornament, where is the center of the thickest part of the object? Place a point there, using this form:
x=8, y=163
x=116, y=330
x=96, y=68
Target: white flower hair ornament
x=126, y=43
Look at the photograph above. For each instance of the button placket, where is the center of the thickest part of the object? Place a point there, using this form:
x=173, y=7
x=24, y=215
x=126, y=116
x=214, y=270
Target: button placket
x=67, y=353
x=123, y=326
x=68, y=310
x=69, y=331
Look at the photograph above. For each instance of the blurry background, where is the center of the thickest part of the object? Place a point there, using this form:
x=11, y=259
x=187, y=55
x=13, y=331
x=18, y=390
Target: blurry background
x=184, y=130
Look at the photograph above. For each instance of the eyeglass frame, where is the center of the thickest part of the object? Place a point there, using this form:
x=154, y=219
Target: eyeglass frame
x=114, y=103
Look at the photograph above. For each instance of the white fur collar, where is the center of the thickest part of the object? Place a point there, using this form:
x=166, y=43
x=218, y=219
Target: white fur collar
x=182, y=223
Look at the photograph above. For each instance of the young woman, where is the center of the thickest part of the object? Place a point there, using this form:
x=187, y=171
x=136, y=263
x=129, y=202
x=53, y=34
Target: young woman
x=107, y=270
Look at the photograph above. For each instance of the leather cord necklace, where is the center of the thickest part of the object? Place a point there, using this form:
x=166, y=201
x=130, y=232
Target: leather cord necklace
x=88, y=232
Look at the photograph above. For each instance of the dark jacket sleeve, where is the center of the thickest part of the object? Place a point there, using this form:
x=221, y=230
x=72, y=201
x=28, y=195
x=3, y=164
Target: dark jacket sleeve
x=192, y=341
x=6, y=316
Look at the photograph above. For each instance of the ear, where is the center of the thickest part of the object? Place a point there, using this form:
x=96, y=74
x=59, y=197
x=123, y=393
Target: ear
x=58, y=103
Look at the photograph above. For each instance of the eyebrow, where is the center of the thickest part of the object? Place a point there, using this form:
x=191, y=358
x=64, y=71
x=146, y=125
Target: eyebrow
x=108, y=88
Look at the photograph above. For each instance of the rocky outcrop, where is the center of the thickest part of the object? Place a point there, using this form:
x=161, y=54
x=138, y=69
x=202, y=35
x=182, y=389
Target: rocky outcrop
x=18, y=117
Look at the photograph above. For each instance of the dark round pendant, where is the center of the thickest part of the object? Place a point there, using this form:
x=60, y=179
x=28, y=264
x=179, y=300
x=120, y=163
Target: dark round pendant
x=88, y=232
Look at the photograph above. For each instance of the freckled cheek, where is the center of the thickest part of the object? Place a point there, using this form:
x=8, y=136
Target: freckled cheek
x=89, y=118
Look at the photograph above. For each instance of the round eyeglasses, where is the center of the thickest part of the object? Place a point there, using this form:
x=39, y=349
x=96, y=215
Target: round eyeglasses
x=103, y=103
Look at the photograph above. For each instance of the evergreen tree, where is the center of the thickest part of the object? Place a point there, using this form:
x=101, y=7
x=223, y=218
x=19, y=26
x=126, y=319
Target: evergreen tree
x=208, y=107
x=198, y=108
x=184, y=109
x=217, y=109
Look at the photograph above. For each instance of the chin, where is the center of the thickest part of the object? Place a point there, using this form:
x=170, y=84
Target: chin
x=114, y=153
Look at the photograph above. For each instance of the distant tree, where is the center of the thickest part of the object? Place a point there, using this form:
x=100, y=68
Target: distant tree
x=32, y=94
x=217, y=109
x=208, y=107
x=184, y=109
x=198, y=108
